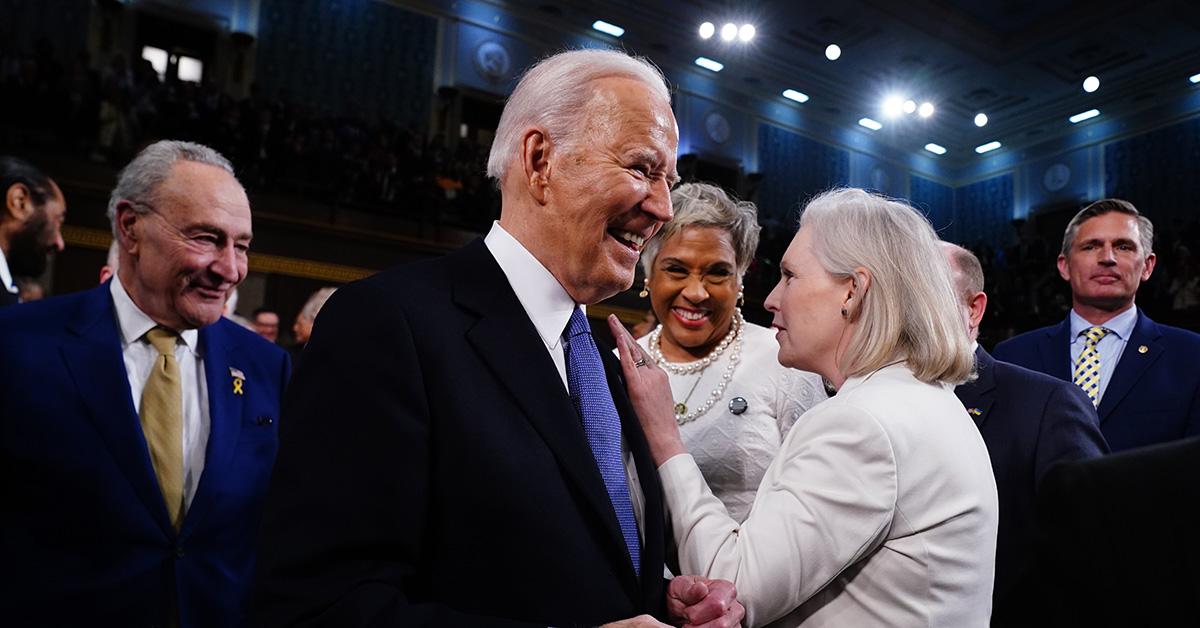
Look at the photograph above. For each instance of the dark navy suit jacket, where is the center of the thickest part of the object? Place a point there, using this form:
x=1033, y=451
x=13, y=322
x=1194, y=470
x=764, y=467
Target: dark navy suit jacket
x=1030, y=422
x=85, y=537
x=433, y=470
x=1154, y=394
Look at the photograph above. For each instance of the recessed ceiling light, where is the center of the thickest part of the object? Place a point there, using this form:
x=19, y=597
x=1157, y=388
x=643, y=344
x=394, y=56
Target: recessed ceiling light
x=792, y=94
x=910, y=106
x=936, y=149
x=709, y=64
x=925, y=110
x=981, y=119
x=986, y=148
x=1087, y=115
x=746, y=32
x=707, y=30
x=1091, y=84
x=1195, y=78
x=870, y=124
x=833, y=51
x=893, y=106
x=608, y=29
x=729, y=31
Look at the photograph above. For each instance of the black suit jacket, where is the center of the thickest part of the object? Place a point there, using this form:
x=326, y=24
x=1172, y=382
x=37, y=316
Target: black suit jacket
x=1029, y=422
x=8, y=298
x=1124, y=527
x=434, y=472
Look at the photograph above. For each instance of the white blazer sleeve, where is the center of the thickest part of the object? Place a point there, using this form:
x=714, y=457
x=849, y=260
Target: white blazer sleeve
x=826, y=501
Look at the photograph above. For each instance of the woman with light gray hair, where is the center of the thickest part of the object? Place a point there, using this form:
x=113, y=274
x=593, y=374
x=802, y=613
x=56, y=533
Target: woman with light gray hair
x=733, y=401
x=880, y=509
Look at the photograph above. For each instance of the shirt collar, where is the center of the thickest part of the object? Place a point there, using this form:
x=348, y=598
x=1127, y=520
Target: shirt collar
x=544, y=299
x=6, y=275
x=1122, y=324
x=134, y=323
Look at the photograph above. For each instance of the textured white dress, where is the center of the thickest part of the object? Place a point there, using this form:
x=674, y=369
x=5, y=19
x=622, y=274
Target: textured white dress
x=733, y=451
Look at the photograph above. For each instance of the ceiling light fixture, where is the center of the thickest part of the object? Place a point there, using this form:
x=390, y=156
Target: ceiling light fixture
x=1087, y=115
x=1195, y=78
x=981, y=119
x=792, y=94
x=1091, y=84
x=870, y=124
x=910, y=106
x=987, y=148
x=834, y=51
x=893, y=106
x=936, y=149
x=746, y=32
x=707, y=30
x=608, y=29
x=709, y=64
x=925, y=110
x=729, y=31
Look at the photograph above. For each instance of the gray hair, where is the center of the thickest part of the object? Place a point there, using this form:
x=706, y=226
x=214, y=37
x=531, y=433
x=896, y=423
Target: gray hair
x=910, y=311
x=140, y=179
x=315, y=302
x=1107, y=206
x=554, y=93
x=967, y=271
x=706, y=205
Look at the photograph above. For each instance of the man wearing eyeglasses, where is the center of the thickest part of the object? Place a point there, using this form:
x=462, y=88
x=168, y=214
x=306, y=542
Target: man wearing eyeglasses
x=139, y=427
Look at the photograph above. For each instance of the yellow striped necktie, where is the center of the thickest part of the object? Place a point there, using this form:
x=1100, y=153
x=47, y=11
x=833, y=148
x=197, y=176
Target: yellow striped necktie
x=1087, y=366
x=162, y=421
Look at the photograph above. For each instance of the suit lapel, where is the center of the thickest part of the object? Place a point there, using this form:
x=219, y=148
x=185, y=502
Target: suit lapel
x=1132, y=365
x=225, y=419
x=1055, y=351
x=92, y=353
x=977, y=397
x=506, y=340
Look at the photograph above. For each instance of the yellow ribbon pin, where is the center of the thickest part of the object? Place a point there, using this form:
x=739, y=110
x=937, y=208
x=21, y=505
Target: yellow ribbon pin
x=239, y=379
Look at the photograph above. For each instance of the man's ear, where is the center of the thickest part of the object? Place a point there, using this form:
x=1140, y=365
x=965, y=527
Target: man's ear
x=976, y=306
x=18, y=204
x=128, y=223
x=1064, y=268
x=1151, y=262
x=536, y=149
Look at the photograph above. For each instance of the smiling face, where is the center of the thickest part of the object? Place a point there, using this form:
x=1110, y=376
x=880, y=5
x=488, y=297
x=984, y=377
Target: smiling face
x=601, y=197
x=1105, y=266
x=186, y=248
x=807, y=303
x=693, y=289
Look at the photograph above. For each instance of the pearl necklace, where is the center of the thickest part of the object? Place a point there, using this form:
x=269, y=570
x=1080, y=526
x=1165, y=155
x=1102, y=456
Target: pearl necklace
x=734, y=337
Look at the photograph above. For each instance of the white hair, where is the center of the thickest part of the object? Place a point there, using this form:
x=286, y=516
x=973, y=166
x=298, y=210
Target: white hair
x=910, y=311
x=554, y=93
x=140, y=179
x=315, y=302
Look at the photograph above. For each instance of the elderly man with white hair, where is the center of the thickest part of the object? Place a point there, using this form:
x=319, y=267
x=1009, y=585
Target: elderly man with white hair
x=456, y=450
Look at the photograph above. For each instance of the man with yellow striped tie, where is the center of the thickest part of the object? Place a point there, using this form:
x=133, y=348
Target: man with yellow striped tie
x=1142, y=377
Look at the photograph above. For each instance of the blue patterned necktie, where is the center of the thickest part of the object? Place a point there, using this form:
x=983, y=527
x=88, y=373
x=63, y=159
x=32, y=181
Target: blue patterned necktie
x=601, y=423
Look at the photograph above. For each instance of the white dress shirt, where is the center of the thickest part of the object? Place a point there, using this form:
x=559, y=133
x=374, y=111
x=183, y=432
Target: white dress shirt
x=6, y=275
x=140, y=357
x=549, y=307
x=1110, y=347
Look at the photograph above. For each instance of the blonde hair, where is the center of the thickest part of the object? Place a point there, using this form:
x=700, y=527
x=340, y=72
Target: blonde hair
x=910, y=311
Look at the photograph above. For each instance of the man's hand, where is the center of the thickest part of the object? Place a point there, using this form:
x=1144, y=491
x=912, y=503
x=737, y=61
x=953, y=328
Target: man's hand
x=641, y=621
x=698, y=602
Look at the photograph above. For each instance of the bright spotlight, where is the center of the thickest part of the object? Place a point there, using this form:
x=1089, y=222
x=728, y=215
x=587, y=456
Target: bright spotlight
x=792, y=94
x=707, y=30
x=608, y=29
x=987, y=148
x=936, y=149
x=1087, y=115
x=1195, y=78
x=833, y=52
x=981, y=119
x=870, y=124
x=925, y=110
x=746, y=32
x=709, y=64
x=1091, y=84
x=893, y=106
x=910, y=106
x=729, y=31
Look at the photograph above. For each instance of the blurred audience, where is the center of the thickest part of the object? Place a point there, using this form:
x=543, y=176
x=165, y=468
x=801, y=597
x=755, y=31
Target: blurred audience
x=266, y=323
x=30, y=225
x=302, y=326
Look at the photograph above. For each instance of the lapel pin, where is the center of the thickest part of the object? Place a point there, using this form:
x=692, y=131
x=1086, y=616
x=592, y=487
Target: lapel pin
x=239, y=380
x=974, y=412
x=1143, y=349
x=738, y=405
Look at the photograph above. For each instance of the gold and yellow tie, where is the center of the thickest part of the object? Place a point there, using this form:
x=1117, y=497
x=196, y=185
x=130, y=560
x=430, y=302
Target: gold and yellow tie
x=162, y=421
x=1087, y=367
